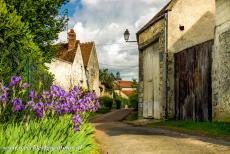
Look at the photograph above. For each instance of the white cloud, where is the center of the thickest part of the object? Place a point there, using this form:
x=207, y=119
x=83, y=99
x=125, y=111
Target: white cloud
x=104, y=22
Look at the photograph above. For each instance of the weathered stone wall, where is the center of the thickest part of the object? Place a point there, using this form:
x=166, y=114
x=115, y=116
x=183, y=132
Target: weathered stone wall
x=154, y=33
x=93, y=72
x=221, y=63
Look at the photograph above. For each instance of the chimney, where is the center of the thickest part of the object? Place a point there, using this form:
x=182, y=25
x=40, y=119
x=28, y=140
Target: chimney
x=71, y=39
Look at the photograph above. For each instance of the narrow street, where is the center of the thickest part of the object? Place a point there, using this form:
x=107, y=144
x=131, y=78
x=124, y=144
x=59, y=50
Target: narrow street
x=116, y=137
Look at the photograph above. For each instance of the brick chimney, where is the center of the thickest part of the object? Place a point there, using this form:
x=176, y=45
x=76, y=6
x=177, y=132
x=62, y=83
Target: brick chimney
x=71, y=39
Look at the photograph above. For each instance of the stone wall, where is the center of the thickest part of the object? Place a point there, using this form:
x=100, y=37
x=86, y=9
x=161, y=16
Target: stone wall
x=221, y=63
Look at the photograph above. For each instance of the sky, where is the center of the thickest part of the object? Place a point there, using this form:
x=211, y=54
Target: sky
x=104, y=22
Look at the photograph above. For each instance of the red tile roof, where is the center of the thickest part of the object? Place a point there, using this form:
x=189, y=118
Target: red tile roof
x=86, y=49
x=124, y=84
x=127, y=92
x=65, y=54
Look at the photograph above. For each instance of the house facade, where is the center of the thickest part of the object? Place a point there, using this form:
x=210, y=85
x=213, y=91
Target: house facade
x=124, y=88
x=174, y=61
x=68, y=66
x=76, y=64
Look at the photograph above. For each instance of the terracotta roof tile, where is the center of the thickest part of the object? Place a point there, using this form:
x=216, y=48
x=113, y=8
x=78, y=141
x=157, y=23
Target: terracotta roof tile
x=86, y=49
x=123, y=84
x=65, y=54
x=127, y=92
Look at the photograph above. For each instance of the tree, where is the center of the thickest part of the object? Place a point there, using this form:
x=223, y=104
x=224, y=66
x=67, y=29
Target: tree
x=17, y=48
x=107, y=79
x=41, y=17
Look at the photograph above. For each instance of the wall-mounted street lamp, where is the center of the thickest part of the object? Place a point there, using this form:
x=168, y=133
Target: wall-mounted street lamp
x=126, y=36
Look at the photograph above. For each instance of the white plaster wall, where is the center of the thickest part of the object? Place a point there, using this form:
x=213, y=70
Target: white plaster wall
x=78, y=70
x=62, y=72
x=68, y=74
x=197, y=17
x=129, y=89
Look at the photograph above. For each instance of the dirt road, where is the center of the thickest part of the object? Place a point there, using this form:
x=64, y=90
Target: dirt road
x=120, y=138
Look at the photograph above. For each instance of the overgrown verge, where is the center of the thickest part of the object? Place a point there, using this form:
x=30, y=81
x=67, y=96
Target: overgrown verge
x=212, y=129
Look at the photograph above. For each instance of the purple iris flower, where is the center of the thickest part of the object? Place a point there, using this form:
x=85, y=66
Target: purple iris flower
x=76, y=119
x=32, y=94
x=39, y=113
x=76, y=128
x=14, y=80
x=17, y=104
x=30, y=103
x=4, y=96
x=25, y=85
x=4, y=88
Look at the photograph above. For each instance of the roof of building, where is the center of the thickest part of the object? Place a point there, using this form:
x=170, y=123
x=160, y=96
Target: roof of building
x=123, y=84
x=69, y=55
x=86, y=49
x=65, y=54
x=127, y=92
x=158, y=16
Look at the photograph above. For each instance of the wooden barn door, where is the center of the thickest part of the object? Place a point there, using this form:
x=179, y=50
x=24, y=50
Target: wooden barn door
x=151, y=74
x=193, y=83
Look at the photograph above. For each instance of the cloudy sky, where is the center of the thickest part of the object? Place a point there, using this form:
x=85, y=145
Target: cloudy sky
x=104, y=22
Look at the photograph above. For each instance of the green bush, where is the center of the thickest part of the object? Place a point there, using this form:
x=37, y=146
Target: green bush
x=133, y=101
x=55, y=132
x=118, y=103
x=106, y=102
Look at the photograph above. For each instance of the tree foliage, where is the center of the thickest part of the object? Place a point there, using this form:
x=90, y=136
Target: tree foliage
x=17, y=48
x=107, y=79
x=41, y=17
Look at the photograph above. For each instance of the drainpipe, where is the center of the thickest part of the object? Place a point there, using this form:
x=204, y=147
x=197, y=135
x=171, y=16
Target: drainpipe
x=166, y=63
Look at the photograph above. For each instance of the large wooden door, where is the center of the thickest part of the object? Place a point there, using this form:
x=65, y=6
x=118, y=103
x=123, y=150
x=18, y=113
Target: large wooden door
x=151, y=80
x=193, y=93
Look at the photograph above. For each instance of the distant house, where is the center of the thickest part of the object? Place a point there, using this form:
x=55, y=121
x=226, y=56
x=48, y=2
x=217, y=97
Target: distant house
x=124, y=88
x=76, y=64
x=175, y=49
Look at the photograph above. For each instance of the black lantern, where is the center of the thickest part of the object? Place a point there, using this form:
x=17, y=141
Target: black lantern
x=126, y=35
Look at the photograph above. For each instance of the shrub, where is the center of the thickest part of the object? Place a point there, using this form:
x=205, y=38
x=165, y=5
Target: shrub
x=133, y=101
x=106, y=102
x=118, y=103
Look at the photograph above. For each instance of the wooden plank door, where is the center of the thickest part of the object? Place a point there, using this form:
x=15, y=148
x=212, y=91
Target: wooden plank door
x=193, y=93
x=151, y=80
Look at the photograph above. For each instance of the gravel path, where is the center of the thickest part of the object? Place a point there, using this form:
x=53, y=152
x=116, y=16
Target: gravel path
x=120, y=138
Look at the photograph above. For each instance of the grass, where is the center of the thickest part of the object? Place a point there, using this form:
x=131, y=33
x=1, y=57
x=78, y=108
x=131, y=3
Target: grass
x=50, y=133
x=215, y=129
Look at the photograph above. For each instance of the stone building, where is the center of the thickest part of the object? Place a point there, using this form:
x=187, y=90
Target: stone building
x=221, y=63
x=76, y=64
x=172, y=37
x=68, y=66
